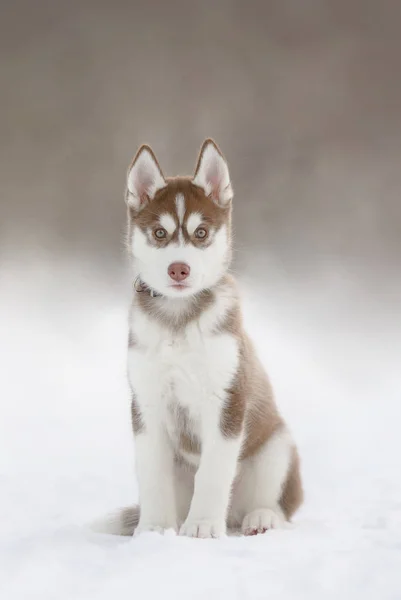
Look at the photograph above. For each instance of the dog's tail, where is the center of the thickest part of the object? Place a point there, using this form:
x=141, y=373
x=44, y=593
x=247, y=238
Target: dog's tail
x=120, y=522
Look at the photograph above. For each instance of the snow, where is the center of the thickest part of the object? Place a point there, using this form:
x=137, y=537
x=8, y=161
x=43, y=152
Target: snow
x=66, y=451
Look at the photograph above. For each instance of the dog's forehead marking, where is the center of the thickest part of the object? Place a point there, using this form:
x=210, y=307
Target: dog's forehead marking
x=167, y=221
x=180, y=206
x=193, y=222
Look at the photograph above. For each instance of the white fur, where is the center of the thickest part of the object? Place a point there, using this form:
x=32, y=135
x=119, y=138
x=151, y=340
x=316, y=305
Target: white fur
x=213, y=175
x=155, y=470
x=165, y=368
x=180, y=204
x=207, y=264
x=167, y=221
x=193, y=222
x=144, y=179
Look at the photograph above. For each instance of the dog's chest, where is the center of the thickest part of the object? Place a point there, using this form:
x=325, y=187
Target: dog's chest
x=191, y=367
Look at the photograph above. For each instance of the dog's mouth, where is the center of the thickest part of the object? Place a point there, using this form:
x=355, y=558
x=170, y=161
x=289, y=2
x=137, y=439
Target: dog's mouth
x=179, y=286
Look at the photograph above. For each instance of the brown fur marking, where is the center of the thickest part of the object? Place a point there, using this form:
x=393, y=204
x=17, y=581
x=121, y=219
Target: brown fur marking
x=188, y=441
x=232, y=416
x=251, y=396
x=292, y=495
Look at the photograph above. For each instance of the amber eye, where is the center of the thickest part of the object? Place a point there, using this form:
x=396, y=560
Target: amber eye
x=201, y=233
x=160, y=233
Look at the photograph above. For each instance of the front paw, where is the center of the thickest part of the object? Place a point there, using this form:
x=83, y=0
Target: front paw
x=203, y=528
x=156, y=526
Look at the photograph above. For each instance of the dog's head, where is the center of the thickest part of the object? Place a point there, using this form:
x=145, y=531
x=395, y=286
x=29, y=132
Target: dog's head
x=179, y=231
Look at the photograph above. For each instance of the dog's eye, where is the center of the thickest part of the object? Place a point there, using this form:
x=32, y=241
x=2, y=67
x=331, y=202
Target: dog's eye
x=160, y=233
x=201, y=233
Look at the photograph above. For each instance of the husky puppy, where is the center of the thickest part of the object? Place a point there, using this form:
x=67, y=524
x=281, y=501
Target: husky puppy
x=212, y=449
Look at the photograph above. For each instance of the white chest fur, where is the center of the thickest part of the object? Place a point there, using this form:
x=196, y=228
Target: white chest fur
x=192, y=368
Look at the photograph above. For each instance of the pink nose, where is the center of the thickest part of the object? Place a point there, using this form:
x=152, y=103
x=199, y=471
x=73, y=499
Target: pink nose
x=178, y=271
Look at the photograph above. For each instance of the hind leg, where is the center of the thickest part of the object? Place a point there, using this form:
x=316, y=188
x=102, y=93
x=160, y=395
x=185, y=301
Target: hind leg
x=260, y=493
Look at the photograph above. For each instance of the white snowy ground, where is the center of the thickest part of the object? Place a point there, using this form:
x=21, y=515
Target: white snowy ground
x=66, y=452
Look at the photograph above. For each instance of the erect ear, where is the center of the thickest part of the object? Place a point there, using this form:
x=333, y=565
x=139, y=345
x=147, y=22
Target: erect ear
x=212, y=174
x=144, y=178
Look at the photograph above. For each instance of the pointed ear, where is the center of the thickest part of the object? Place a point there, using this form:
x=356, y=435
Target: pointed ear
x=144, y=178
x=212, y=174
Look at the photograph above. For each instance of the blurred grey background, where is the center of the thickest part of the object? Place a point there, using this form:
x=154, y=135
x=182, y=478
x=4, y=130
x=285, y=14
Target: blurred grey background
x=304, y=98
